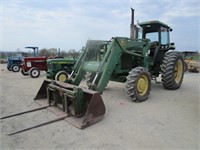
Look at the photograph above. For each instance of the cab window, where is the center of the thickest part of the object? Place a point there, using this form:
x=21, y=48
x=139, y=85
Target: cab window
x=164, y=36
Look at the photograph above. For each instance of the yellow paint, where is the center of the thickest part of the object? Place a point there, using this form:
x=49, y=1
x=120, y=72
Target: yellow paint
x=62, y=78
x=178, y=71
x=142, y=85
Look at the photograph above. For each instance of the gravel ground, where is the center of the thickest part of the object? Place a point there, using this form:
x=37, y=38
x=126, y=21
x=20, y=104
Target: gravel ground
x=167, y=120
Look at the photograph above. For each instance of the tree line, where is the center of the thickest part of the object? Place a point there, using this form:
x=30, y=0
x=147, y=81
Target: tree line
x=51, y=53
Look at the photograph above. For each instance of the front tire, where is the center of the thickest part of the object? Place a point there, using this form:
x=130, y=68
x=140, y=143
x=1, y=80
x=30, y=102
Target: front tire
x=138, y=84
x=61, y=76
x=34, y=72
x=172, y=71
x=89, y=77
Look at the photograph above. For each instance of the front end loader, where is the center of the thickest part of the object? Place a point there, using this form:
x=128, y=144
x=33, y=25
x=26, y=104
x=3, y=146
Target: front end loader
x=83, y=107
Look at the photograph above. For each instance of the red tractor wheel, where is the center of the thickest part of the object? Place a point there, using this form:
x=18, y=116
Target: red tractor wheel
x=25, y=73
x=34, y=72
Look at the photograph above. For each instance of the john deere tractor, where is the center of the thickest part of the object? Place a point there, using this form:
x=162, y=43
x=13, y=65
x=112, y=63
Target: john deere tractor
x=59, y=68
x=135, y=61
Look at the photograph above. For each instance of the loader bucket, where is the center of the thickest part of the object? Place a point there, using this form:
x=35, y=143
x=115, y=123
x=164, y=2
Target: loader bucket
x=42, y=91
x=95, y=111
x=84, y=107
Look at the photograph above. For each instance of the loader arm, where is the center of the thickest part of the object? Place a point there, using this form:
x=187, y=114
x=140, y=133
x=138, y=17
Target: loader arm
x=119, y=46
x=108, y=64
x=104, y=67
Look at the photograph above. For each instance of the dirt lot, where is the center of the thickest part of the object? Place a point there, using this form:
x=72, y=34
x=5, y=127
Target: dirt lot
x=167, y=120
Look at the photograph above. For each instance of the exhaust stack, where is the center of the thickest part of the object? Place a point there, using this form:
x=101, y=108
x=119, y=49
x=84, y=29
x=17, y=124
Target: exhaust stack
x=132, y=24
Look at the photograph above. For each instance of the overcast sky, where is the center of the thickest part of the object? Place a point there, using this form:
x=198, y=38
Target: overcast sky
x=68, y=24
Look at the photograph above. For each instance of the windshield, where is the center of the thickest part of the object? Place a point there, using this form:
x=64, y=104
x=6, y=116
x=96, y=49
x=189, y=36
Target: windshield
x=153, y=36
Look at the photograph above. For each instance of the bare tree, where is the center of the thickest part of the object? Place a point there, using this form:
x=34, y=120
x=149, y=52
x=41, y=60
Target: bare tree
x=63, y=53
x=53, y=52
x=3, y=55
x=44, y=52
x=73, y=53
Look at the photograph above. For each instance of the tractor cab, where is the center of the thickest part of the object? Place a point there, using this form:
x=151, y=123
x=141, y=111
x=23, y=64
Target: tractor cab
x=158, y=34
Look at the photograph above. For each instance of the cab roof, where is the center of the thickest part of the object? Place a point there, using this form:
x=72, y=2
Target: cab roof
x=153, y=22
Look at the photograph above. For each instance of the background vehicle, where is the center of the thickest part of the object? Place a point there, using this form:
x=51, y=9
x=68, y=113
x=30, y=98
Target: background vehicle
x=13, y=63
x=59, y=69
x=192, y=59
x=33, y=65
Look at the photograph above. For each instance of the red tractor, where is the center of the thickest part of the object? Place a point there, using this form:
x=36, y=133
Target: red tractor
x=32, y=65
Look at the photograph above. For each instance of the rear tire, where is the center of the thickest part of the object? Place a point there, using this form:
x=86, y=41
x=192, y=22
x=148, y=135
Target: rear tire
x=61, y=76
x=138, y=84
x=172, y=71
x=15, y=68
x=34, y=72
x=9, y=69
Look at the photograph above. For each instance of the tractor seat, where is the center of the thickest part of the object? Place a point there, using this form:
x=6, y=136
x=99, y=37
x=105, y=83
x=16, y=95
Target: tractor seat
x=153, y=48
x=154, y=44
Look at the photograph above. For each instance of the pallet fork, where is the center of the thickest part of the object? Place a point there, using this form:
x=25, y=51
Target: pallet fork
x=80, y=107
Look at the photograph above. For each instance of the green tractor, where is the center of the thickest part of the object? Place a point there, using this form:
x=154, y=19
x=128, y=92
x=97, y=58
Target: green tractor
x=134, y=61
x=59, y=69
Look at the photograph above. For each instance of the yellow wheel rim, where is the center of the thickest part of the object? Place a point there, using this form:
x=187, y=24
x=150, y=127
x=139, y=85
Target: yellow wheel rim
x=178, y=71
x=142, y=85
x=62, y=78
